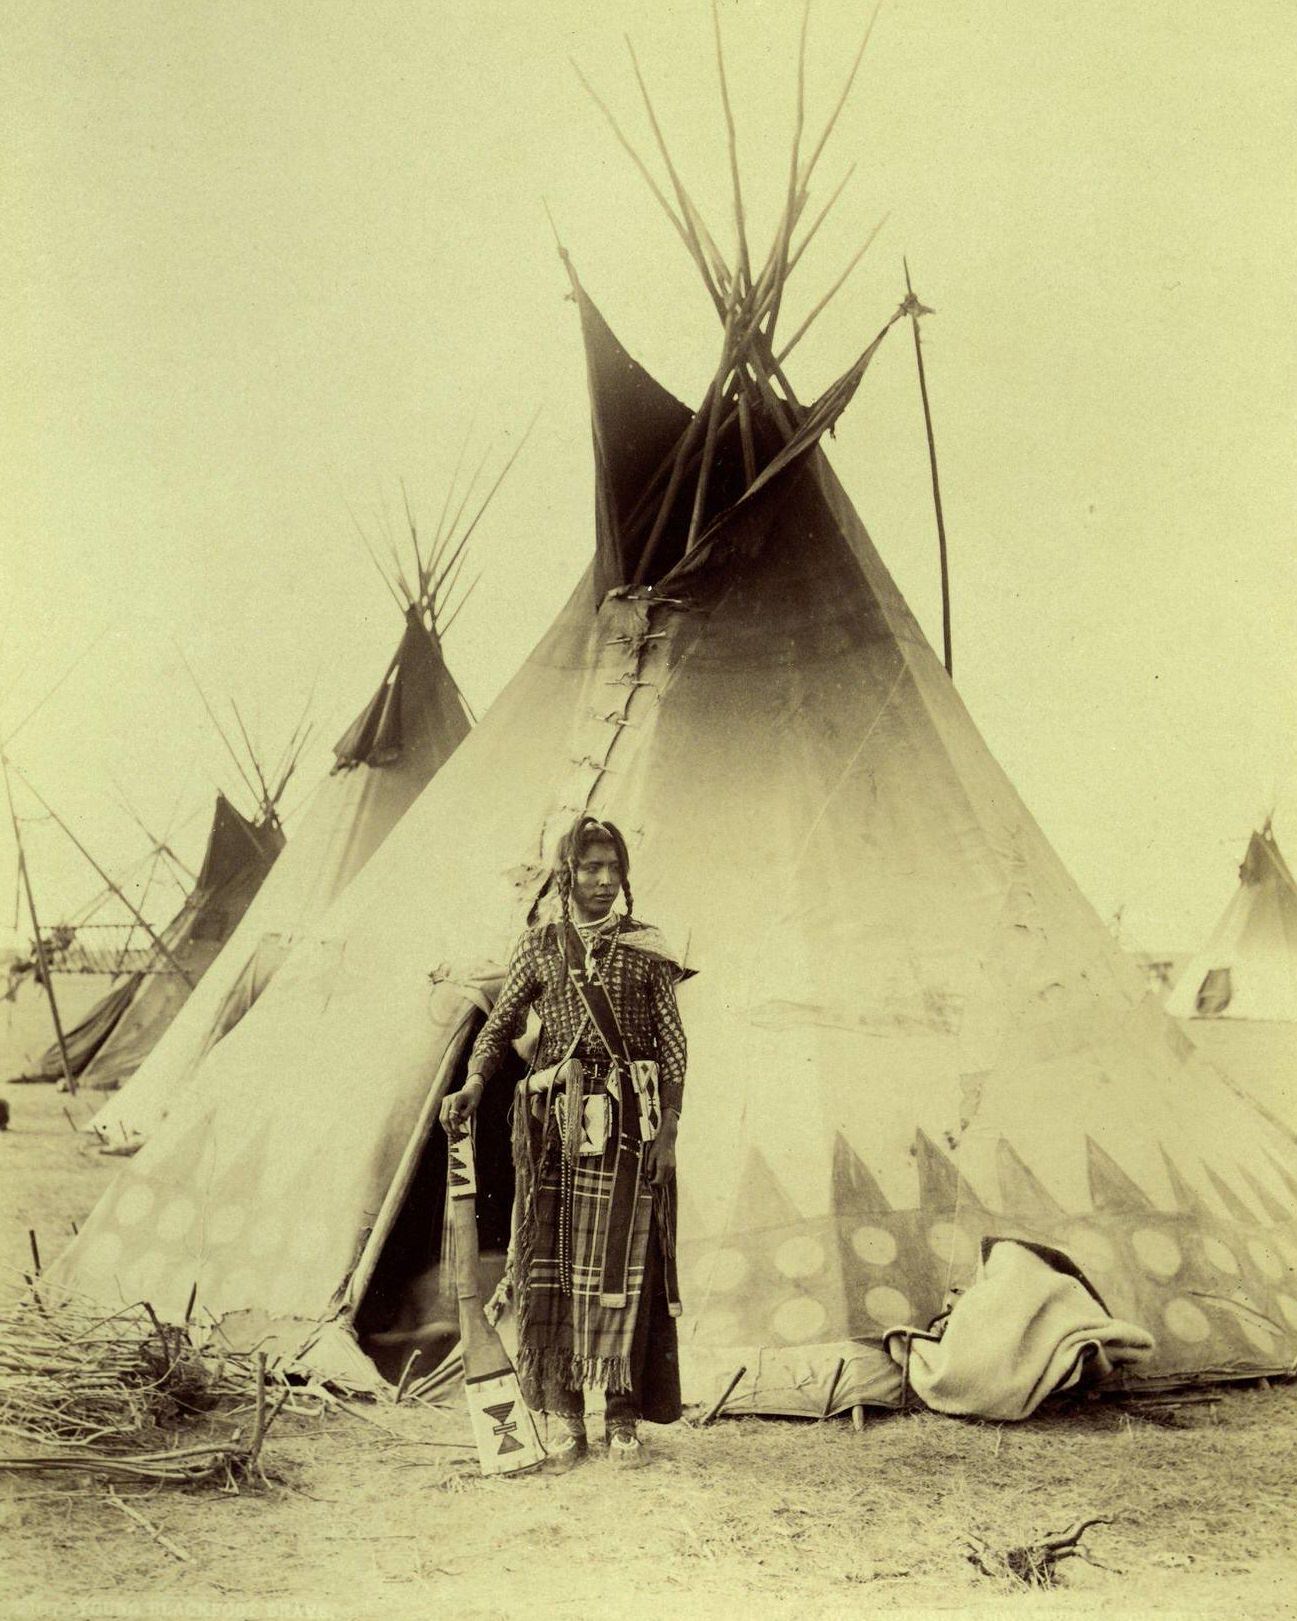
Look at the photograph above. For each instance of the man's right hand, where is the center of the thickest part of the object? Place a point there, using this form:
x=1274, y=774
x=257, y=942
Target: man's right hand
x=460, y=1107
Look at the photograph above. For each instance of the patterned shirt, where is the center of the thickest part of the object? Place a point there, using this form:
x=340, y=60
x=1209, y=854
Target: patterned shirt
x=640, y=984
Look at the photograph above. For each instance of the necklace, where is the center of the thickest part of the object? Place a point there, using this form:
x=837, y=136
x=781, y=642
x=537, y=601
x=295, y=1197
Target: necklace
x=593, y=931
x=592, y=936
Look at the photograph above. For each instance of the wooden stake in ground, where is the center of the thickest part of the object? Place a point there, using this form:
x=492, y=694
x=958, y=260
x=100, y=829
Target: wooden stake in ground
x=714, y=1411
x=503, y=1427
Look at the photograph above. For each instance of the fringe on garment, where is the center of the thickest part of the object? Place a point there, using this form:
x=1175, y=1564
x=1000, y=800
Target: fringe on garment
x=525, y=1167
x=548, y=1369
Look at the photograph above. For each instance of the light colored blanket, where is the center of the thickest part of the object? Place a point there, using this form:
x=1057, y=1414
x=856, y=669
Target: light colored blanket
x=1025, y=1328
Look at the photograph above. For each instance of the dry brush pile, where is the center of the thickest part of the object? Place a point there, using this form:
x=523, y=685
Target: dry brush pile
x=106, y=1395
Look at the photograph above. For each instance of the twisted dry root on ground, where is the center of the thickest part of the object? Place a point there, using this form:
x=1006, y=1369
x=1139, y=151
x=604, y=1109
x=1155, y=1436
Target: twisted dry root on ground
x=1035, y=1564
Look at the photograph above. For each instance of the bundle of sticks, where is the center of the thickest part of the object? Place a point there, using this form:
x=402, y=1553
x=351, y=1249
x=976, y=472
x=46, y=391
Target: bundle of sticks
x=84, y=1392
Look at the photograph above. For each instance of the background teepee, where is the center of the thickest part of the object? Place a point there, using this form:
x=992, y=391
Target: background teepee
x=402, y=737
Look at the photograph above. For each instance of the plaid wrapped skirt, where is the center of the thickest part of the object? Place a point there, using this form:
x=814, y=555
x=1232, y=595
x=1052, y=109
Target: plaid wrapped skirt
x=569, y=1336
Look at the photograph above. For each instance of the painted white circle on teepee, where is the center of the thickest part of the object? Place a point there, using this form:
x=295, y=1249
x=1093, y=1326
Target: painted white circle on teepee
x=176, y=1219
x=888, y=1307
x=798, y=1319
x=1221, y=1256
x=1267, y=1258
x=1157, y=1252
x=874, y=1245
x=225, y=1223
x=1186, y=1322
x=1091, y=1250
x=134, y=1203
x=800, y=1257
x=724, y=1270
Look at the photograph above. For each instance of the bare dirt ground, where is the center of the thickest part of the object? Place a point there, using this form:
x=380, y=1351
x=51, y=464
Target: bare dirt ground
x=384, y=1515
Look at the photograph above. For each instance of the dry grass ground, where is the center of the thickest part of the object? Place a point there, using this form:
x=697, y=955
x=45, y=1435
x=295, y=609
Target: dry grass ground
x=386, y=1516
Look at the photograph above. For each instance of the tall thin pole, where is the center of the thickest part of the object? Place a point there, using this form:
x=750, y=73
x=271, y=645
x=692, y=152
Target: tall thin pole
x=42, y=965
x=914, y=309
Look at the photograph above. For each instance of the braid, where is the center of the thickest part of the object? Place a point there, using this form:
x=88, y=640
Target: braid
x=563, y=880
x=630, y=899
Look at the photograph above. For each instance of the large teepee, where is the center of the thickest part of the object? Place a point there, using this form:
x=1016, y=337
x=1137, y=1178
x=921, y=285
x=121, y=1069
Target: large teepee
x=1248, y=969
x=908, y=1029
x=402, y=737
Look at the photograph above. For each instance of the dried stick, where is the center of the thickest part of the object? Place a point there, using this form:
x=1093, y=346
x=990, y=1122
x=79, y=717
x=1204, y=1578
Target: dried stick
x=134, y=1514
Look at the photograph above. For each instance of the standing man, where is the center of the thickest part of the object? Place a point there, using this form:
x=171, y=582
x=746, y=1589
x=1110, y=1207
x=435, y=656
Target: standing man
x=594, y=1148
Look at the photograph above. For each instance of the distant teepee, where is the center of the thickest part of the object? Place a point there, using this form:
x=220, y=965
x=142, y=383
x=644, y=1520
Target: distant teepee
x=1248, y=969
x=107, y=1046
x=398, y=742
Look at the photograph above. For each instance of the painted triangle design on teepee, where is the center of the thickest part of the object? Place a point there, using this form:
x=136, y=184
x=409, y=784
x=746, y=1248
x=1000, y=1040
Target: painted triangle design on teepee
x=1110, y=1188
x=1235, y=1203
x=1021, y=1191
x=1274, y=1208
x=1187, y=1199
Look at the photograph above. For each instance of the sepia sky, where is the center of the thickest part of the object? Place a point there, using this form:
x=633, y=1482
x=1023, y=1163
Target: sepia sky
x=263, y=262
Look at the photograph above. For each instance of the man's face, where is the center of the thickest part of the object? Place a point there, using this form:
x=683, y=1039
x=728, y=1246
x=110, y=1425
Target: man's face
x=597, y=880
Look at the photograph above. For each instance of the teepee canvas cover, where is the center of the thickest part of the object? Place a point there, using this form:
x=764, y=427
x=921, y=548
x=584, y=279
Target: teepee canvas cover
x=26, y=1028
x=113, y=1040
x=397, y=743
x=1248, y=970
x=908, y=1030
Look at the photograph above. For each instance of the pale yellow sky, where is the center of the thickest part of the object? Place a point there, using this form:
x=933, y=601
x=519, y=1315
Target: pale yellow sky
x=263, y=261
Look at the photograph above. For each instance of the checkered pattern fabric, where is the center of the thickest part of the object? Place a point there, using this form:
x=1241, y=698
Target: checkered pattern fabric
x=640, y=984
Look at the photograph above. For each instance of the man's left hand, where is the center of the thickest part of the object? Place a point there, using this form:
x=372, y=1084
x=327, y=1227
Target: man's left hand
x=661, y=1162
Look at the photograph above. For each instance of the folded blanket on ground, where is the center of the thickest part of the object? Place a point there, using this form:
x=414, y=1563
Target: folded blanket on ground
x=1029, y=1325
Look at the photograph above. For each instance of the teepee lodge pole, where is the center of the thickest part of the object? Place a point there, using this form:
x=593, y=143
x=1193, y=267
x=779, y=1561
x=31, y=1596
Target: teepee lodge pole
x=914, y=309
x=731, y=137
x=42, y=965
x=709, y=443
x=135, y=912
